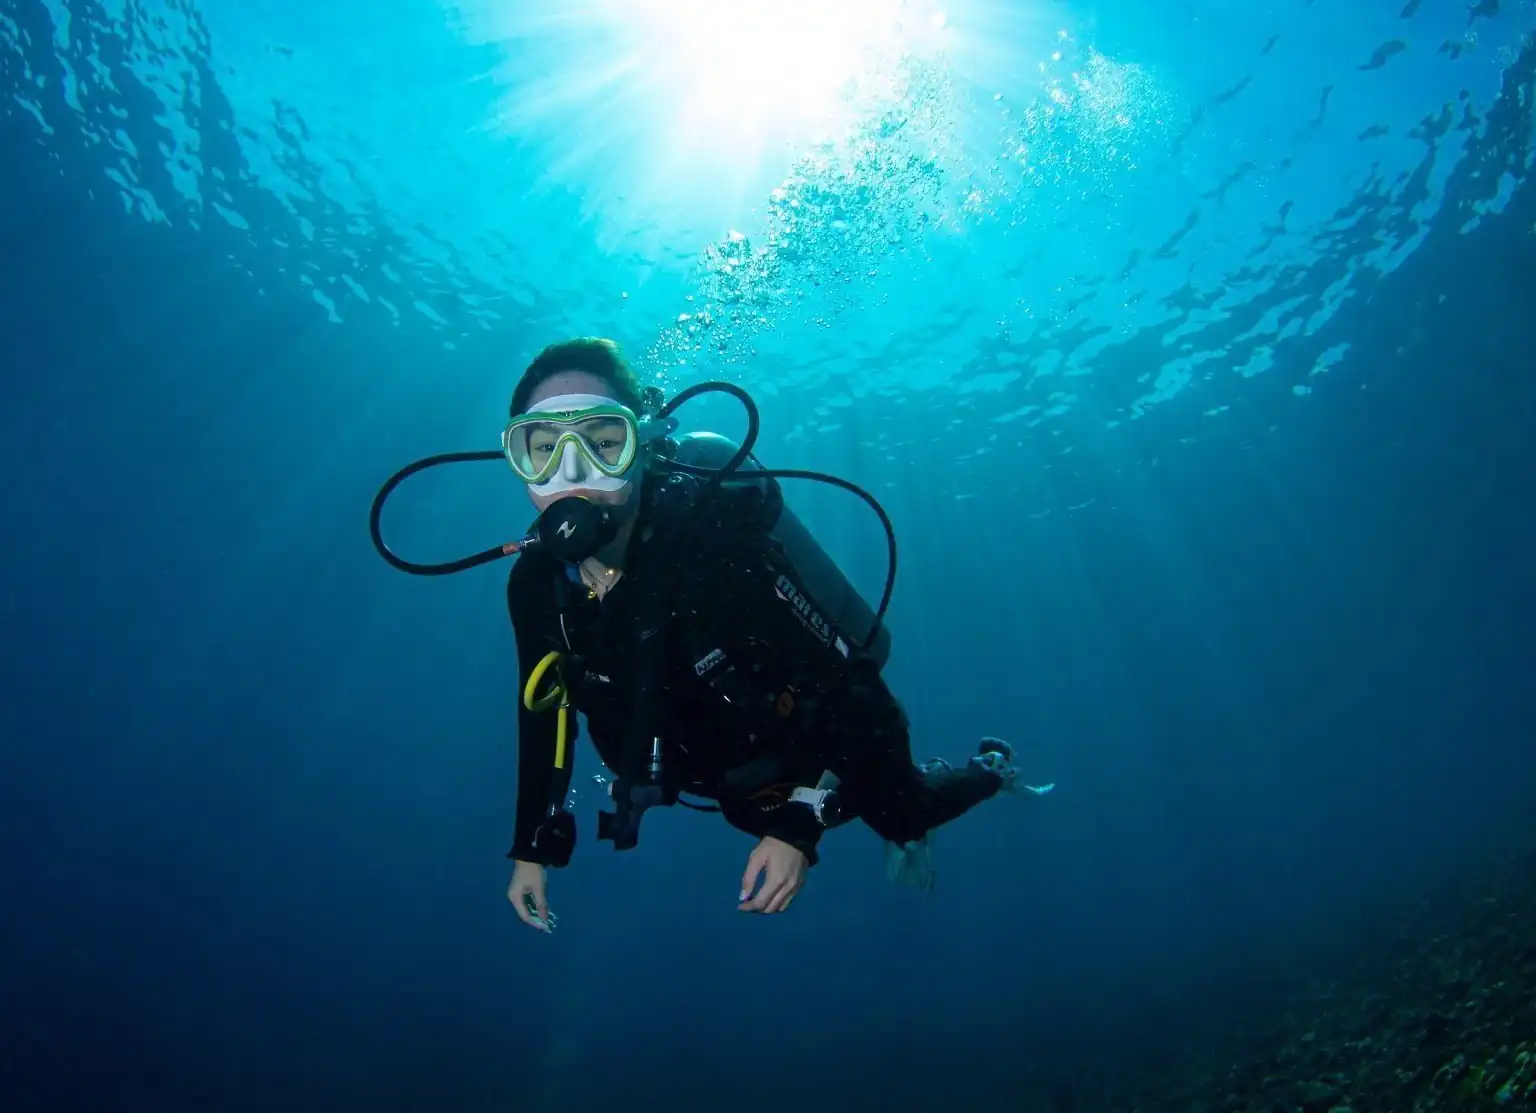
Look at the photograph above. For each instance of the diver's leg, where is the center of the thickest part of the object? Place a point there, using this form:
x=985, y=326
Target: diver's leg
x=913, y=803
x=904, y=802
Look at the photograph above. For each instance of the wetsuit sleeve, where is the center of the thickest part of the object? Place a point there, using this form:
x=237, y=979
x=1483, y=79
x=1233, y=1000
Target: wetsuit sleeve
x=536, y=733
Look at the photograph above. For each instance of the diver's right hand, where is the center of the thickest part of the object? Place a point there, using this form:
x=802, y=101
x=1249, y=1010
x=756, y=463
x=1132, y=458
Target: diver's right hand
x=527, y=896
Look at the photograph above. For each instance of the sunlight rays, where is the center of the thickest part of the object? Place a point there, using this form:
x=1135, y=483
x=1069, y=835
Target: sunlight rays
x=683, y=111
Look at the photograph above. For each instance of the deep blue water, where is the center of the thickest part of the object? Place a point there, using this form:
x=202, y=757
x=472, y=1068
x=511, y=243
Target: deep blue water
x=1206, y=424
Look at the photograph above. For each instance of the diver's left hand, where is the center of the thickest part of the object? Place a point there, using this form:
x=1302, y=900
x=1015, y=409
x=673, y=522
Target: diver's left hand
x=782, y=869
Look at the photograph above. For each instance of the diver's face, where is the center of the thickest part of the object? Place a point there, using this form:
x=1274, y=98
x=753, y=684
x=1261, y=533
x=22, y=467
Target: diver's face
x=581, y=382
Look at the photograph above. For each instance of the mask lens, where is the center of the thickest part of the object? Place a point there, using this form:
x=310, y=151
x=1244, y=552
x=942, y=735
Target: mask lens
x=534, y=445
x=606, y=437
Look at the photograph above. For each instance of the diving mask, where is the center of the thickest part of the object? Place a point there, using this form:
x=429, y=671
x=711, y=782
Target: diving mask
x=577, y=440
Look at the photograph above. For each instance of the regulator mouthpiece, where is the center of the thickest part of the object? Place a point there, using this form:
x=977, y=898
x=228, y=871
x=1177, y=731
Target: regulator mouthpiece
x=573, y=529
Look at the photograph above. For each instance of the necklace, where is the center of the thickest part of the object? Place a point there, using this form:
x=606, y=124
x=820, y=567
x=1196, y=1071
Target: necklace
x=599, y=580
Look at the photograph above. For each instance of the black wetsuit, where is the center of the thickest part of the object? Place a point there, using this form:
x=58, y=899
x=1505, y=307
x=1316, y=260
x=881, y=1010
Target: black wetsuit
x=761, y=693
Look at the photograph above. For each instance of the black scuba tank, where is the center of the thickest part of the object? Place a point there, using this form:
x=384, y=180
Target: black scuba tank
x=830, y=590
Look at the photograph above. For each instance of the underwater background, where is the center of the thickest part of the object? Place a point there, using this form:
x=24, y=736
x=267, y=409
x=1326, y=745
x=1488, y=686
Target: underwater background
x=1189, y=346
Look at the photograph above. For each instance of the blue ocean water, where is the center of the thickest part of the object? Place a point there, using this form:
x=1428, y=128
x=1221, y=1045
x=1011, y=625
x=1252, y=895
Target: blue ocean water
x=1188, y=346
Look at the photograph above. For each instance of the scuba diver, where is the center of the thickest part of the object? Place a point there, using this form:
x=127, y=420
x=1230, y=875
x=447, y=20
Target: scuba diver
x=720, y=657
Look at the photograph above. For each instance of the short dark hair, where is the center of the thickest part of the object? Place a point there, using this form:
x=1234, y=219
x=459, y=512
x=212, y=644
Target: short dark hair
x=591, y=354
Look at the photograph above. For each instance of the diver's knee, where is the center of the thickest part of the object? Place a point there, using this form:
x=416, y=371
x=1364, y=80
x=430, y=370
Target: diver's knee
x=893, y=828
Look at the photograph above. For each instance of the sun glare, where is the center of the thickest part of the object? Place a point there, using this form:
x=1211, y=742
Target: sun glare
x=760, y=71
x=684, y=113
x=663, y=118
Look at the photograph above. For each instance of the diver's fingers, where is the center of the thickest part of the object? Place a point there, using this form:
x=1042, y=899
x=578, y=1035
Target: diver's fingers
x=756, y=862
x=518, y=895
x=773, y=889
x=529, y=904
x=769, y=890
x=782, y=897
x=760, y=902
